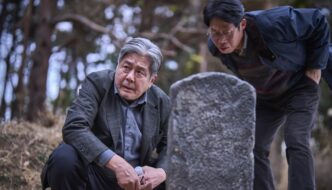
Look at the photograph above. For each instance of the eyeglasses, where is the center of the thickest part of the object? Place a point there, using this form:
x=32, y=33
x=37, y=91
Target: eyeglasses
x=218, y=35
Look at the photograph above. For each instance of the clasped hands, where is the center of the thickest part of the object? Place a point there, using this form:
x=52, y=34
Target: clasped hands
x=129, y=180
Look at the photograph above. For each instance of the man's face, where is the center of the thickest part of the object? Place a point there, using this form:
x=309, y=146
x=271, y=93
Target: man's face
x=225, y=36
x=133, y=77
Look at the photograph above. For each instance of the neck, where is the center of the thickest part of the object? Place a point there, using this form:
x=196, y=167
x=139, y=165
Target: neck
x=240, y=46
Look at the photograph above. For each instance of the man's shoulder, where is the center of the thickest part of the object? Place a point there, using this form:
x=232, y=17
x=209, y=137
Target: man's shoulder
x=157, y=91
x=275, y=11
x=280, y=14
x=158, y=98
x=106, y=74
x=273, y=24
x=101, y=79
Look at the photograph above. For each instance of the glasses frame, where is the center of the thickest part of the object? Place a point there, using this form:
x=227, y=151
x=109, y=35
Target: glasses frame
x=216, y=35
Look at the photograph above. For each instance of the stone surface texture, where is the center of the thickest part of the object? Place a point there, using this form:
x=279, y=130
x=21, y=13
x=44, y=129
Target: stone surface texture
x=211, y=133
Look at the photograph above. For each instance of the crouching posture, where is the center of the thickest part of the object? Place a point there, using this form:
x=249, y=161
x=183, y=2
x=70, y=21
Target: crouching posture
x=115, y=131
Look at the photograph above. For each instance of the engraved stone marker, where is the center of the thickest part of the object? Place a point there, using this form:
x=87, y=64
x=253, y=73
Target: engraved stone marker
x=211, y=133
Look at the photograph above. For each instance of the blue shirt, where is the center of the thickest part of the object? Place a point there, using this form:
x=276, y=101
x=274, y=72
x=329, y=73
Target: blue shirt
x=130, y=135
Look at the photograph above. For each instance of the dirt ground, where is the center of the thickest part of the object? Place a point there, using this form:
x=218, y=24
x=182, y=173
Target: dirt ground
x=24, y=147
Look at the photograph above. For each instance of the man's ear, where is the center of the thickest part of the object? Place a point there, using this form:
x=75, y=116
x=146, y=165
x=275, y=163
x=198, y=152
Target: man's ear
x=243, y=23
x=153, y=78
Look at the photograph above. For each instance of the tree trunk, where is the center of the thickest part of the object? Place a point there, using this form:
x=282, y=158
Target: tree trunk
x=203, y=54
x=12, y=28
x=5, y=86
x=19, y=91
x=147, y=16
x=38, y=74
x=3, y=15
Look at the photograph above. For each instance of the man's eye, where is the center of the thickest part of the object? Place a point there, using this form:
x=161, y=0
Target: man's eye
x=227, y=33
x=126, y=68
x=140, y=73
x=214, y=32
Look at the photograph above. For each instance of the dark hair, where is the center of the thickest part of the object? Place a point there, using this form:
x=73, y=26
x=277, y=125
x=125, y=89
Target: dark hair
x=230, y=11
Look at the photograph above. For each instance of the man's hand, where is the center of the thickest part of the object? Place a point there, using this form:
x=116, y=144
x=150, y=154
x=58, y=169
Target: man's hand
x=125, y=173
x=314, y=74
x=152, y=177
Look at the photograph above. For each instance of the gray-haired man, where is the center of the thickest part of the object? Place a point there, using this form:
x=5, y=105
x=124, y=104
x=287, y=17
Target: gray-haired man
x=113, y=127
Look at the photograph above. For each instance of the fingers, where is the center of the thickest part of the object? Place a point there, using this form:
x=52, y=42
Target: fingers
x=131, y=183
x=314, y=74
x=142, y=180
x=147, y=186
x=125, y=173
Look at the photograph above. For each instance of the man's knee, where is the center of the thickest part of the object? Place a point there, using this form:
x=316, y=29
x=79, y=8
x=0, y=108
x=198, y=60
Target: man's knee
x=64, y=161
x=63, y=168
x=297, y=141
x=261, y=153
x=64, y=158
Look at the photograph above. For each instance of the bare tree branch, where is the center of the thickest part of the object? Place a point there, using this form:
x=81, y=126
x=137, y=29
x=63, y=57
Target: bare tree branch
x=83, y=20
x=169, y=37
x=101, y=29
x=88, y=23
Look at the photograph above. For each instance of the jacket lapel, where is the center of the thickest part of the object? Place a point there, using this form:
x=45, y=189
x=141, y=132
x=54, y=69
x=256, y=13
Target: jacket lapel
x=149, y=125
x=115, y=120
x=114, y=115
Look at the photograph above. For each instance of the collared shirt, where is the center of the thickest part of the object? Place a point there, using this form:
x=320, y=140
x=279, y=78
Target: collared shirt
x=242, y=51
x=130, y=135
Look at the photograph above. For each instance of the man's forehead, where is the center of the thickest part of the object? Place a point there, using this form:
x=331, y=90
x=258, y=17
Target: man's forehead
x=139, y=60
x=217, y=23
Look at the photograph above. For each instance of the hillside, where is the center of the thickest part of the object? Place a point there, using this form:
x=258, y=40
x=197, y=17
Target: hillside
x=24, y=147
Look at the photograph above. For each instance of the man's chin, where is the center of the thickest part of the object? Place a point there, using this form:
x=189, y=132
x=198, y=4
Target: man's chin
x=127, y=96
x=225, y=50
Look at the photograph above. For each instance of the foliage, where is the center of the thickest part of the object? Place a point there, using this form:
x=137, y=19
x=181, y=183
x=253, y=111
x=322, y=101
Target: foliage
x=85, y=36
x=48, y=47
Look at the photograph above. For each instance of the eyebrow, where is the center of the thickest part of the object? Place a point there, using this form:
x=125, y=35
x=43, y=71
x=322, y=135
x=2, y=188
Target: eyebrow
x=223, y=30
x=131, y=63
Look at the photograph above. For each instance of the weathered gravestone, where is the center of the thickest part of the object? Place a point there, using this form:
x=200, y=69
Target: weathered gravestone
x=211, y=133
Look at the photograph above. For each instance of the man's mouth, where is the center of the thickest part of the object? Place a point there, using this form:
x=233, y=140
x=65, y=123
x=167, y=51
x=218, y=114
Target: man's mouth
x=223, y=48
x=127, y=88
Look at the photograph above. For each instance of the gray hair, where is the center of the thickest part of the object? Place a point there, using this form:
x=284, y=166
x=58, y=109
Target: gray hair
x=145, y=47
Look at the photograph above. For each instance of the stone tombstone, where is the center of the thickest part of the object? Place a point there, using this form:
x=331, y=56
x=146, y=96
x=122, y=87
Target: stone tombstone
x=211, y=133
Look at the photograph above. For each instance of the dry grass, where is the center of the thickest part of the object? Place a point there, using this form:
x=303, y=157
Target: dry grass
x=24, y=147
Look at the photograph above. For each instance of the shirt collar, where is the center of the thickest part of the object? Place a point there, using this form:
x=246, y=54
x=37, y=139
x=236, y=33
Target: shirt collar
x=242, y=51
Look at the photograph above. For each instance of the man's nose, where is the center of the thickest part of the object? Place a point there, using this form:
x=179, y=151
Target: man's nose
x=221, y=39
x=131, y=76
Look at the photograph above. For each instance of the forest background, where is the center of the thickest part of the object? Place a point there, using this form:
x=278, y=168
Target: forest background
x=47, y=48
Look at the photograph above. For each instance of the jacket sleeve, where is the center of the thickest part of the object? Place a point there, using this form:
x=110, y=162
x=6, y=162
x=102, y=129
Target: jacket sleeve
x=304, y=26
x=80, y=119
x=316, y=33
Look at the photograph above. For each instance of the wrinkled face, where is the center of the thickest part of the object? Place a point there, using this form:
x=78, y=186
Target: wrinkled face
x=225, y=36
x=133, y=77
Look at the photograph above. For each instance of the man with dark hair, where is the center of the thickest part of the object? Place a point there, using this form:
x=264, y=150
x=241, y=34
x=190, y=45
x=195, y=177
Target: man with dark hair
x=115, y=133
x=282, y=52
